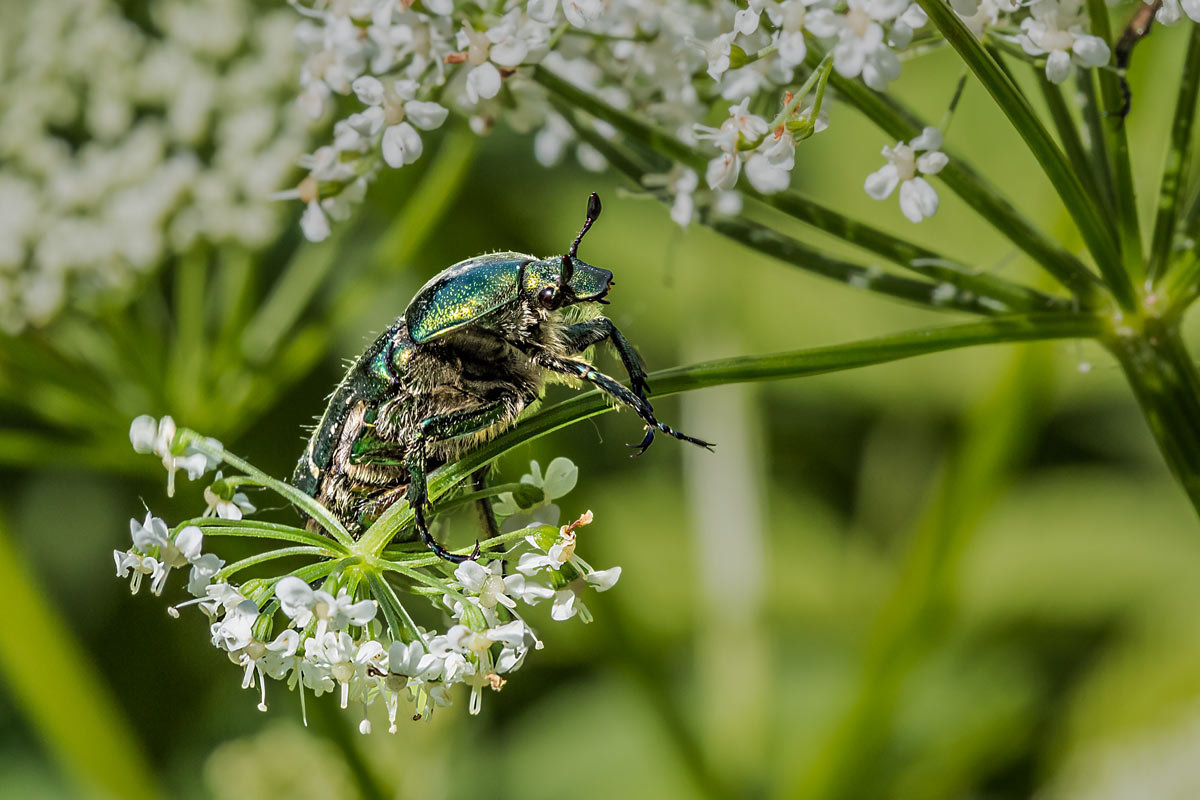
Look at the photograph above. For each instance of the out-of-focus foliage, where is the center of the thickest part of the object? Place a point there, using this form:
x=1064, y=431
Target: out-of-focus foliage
x=968, y=575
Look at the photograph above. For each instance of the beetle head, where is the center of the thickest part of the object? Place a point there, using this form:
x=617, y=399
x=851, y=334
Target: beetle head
x=557, y=282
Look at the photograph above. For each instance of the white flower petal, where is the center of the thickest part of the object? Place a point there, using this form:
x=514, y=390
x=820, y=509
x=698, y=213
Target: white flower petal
x=932, y=163
x=401, y=145
x=1058, y=66
x=604, y=579
x=561, y=477
x=483, y=82
x=142, y=433
x=1091, y=50
x=426, y=116
x=918, y=200
x=368, y=89
x=882, y=182
x=313, y=223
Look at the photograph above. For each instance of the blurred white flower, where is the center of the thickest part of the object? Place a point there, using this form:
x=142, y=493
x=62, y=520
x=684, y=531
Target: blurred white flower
x=120, y=144
x=1055, y=30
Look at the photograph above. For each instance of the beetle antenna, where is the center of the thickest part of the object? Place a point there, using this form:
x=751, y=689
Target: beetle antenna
x=593, y=213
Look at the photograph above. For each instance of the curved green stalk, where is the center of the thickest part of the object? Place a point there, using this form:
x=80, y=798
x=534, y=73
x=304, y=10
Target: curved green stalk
x=793, y=364
x=1170, y=193
x=262, y=558
x=1130, y=235
x=902, y=124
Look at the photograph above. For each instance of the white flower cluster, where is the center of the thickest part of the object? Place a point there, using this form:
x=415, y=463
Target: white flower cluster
x=1055, y=29
x=409, y=65
x=124, y=140
x=918, y=199
x=333, y=638
x=1171, y=11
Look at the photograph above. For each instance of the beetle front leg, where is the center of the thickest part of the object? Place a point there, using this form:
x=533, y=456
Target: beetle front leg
x=583, y=335
x=621, y=393
x=440, y=428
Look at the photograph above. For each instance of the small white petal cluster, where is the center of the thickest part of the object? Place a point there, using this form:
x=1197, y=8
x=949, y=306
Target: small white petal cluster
x=907, y=163
x=123, y=141
x=1055, y=29
x=156, y=551
x=330, y=637
x=1171, y=11
x=409, y=65
x=148, y=435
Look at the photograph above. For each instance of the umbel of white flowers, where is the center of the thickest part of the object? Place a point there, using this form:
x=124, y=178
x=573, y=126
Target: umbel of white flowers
x=122, y=142
x=410, y=66
x=329, y=637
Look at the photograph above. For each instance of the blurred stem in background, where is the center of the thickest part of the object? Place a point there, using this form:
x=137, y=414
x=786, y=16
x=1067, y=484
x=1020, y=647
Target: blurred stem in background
x=727, y=511
x=919, y=611
x=54, y=681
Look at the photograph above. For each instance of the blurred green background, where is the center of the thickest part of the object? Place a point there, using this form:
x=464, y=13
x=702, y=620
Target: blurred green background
x=963, y=576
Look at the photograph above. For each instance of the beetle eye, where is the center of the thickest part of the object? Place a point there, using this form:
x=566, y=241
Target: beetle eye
x=548, y=296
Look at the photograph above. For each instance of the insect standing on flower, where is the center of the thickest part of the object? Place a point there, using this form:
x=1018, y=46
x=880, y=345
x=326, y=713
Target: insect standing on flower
x=474, y=349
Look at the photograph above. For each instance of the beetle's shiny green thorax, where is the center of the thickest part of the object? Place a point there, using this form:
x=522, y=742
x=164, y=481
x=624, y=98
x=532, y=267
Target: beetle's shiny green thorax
x=469, y=290
x=463, y=293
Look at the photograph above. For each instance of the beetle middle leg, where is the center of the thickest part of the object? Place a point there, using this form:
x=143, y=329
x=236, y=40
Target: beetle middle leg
x=583, y=335
x=618, y=391
x=442, y=427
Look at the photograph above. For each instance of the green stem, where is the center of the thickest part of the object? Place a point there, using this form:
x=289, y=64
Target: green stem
x=253, y=475
x=1170, y=195
x=1082, y=208
x=1182, y=285
x=1130, y=234
x=258, y=529
x=1167, y=385
x=1068, y=132
x=902, y=124
x=1097, y=144
x=794, y=364
x=262, y=558
x=471, y=497
x=402, y=626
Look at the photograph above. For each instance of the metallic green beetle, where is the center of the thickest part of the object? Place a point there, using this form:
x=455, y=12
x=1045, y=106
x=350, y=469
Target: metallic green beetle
x=472, y=351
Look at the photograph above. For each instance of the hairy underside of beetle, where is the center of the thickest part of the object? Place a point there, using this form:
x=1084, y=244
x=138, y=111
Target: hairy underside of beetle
x=355, y=461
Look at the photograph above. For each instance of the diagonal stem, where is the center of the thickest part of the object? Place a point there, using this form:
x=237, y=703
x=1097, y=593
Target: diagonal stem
x=925, y=262
x=1082, y=208
x=902, y=124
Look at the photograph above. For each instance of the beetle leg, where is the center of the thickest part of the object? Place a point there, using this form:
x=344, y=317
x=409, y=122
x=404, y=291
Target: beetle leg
x=622, y=394
x=487, y=517
x=583, y=335
x=440, y=428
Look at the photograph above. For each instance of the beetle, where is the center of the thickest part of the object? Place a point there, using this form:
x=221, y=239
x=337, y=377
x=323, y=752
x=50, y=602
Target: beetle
x=472, y=351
